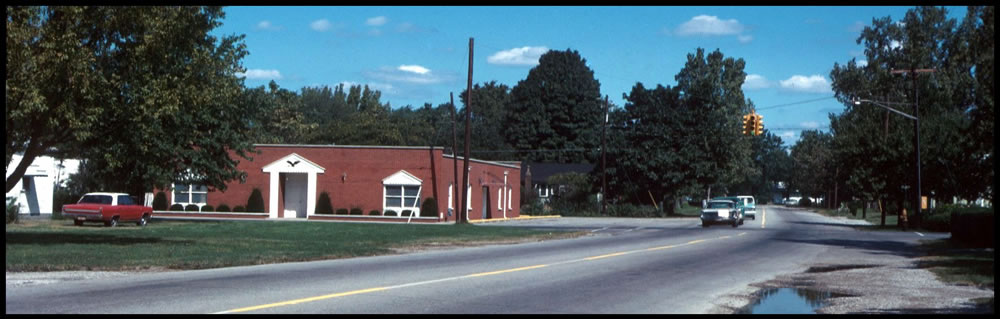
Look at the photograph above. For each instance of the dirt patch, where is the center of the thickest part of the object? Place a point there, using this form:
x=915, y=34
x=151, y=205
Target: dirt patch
x=893, y=287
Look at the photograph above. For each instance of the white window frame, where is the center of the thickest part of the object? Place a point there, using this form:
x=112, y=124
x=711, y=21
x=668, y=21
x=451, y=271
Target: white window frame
x=190, y=194
x=402, y=199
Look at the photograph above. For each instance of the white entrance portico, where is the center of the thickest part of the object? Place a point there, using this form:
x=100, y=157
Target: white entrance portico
x=295, y=177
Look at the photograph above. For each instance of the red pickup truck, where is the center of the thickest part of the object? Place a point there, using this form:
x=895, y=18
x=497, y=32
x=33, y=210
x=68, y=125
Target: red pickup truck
x=109, y=208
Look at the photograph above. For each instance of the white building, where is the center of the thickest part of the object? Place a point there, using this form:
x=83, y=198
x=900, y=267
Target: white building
x=34, y=191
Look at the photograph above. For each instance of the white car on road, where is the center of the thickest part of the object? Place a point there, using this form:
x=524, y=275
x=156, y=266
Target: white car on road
x=721, y=211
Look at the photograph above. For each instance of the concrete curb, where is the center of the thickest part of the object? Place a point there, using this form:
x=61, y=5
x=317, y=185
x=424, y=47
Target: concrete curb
x=480, y=221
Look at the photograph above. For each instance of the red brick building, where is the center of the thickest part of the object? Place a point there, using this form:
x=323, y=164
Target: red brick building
x=383, y=178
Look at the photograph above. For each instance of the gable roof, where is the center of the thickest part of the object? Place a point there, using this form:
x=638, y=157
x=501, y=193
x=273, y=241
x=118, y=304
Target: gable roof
x=293, y=163
x=540, y=172
x=401, y=177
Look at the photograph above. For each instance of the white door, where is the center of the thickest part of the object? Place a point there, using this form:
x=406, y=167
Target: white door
x=295, y=195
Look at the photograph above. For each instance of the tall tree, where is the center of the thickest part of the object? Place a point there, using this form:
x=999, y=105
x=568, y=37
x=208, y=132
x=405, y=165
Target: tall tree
x=146, y=94
x=812, y=160
x=875, y=147
x=685, y=138
x=557, y=107
x=488, y=121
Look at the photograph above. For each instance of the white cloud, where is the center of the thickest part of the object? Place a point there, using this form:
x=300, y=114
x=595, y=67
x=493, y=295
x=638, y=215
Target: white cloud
x=812, y=84
x=744, y=38
x=894, y=44
x=755, y=81
x=264, y=24
x=710, y=25
x=384, y=87
x=413, y=74
x=788, y=137
x=518, y=56
x=857, y=26
x=810, y=124
x=259, y=74
x=414, y=68
x=862, y=63
x=320, y=25
x=376, y=21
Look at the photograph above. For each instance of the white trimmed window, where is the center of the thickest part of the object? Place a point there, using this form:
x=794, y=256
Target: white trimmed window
x=400, y=192
x=402, y=197
x=185, y=194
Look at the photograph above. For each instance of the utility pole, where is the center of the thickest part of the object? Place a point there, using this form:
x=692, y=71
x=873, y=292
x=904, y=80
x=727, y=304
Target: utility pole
x=454, y=153
x=916, y=132
x=604, y=174
x=468, y=136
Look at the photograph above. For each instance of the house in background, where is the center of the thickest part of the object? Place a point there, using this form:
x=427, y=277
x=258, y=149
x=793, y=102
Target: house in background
x=382, y=178
x=538, y=175
x=34, y=192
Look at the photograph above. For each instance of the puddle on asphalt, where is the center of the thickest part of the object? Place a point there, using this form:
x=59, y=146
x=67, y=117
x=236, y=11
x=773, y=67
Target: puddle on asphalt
x=788, y=301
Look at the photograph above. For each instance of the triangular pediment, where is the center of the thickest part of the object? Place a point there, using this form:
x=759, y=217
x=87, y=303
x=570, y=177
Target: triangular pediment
x=401, y=177
x=293, y=163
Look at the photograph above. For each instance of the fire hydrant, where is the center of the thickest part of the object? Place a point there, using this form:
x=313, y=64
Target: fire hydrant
x=902, y=219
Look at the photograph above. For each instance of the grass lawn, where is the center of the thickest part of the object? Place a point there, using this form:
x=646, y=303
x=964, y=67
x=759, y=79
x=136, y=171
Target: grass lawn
x=873, y=216
x=51, y=245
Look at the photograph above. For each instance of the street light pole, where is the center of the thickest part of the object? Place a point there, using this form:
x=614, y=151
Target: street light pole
x=916, y=132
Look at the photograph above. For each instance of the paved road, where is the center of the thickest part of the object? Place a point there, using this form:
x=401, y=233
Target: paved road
x=627, y=266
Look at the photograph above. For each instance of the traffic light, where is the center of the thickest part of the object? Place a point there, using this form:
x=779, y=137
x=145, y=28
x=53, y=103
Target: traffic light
x=751, y=124
x=746, y=124
x=759, y=125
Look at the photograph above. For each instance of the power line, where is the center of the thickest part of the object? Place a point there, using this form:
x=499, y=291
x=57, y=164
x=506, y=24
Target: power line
x=793, y=103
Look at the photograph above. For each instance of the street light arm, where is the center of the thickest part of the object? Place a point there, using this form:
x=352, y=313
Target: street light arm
x=858, y=102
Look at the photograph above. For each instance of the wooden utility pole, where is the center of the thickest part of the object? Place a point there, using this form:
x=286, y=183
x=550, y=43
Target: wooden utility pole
x=604, y=174
x=468, y=136
x=454, y=153
x=916, y=133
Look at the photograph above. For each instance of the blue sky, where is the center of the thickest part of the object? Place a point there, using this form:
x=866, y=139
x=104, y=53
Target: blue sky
x=419, y=54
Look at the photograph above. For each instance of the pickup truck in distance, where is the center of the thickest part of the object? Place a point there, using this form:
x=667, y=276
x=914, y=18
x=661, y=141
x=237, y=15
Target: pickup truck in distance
x=109, y=208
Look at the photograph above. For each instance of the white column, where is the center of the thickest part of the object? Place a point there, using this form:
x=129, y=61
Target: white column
x=273, y=196
x=311, y=194
x=504, y=195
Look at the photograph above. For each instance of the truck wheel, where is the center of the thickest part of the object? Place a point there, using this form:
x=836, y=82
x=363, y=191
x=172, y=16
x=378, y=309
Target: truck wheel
x=704, y=224
x=143, y=221
x=78, y=222
x=735, y=223
x=112, y=223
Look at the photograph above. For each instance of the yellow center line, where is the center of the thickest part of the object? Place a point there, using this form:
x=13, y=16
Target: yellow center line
x=482, y=274
x=503, y=271
x=298, y=301
x=608, y=255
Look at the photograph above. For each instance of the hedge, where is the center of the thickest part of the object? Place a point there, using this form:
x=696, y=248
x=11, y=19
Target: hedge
x=429, y=208
x=373, y=212
x=239, y=209
x=255, y=204
x=323, y=205
x=389, y=212
x=191, y=208
x=160, y=201
x=223, y=208
x=974, y=226
x=342, y=211
x=356, y=211
x=207, y=208
x=177, y=207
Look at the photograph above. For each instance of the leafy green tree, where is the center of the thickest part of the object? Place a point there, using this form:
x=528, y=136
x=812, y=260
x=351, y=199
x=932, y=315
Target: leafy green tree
x=874, y=148
x=281, y=119
x=556, y=107
x=146, y=94
x=490, y=102
x=812, y=159
x=681, y=139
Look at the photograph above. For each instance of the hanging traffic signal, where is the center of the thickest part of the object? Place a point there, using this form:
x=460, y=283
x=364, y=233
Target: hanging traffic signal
x=759, y=125
x=746, y=124
x=752, y=124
